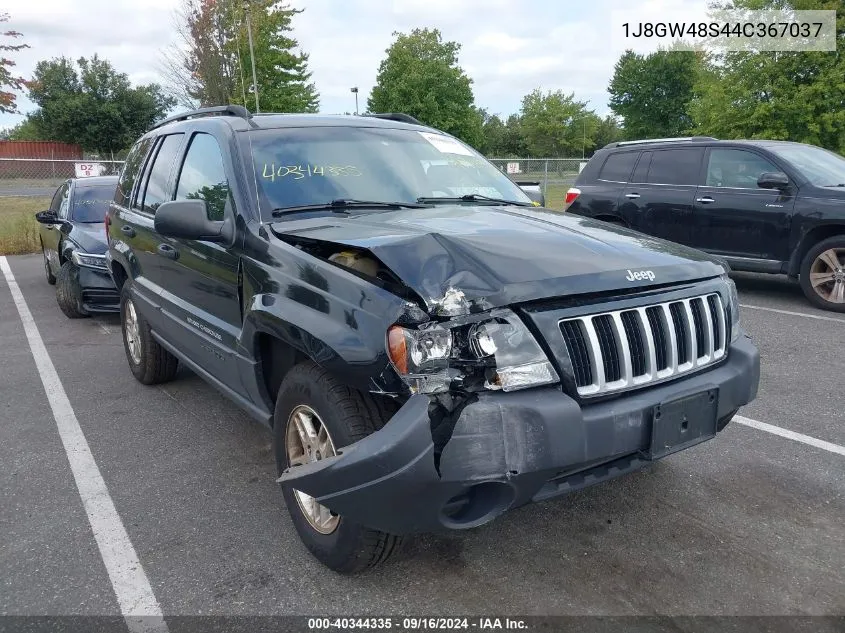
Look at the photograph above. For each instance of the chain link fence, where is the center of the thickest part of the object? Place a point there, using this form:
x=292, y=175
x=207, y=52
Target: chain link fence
x=546, y=171
x=41, y=177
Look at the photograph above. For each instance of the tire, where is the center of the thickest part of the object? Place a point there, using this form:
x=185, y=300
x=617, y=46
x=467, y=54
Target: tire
x=820, y=262
x=149, y=362
x=51, y=278
x=347, y=416
x=69, y=292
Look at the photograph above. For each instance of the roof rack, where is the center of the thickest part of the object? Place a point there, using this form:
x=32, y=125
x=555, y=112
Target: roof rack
x=396, y=116
x=226, y=110
x=674, y=139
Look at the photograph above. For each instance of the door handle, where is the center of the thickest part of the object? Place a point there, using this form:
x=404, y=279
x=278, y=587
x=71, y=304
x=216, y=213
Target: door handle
x=632, y=196
x=705, y=200
x=127, y=230
x=166, y=250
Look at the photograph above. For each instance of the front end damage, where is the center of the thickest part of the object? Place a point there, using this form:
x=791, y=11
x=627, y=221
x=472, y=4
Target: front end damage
x=448, y=461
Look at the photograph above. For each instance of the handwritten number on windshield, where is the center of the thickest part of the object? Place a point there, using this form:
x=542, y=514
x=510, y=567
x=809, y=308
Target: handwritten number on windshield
x=298, y=172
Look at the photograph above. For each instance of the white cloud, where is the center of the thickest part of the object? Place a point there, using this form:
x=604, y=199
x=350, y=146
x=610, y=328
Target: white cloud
x=507, y=48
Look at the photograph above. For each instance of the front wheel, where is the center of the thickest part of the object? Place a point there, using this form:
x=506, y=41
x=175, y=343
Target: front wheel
x=149, y=361
x=315, y=416
x=69, y=292
x=822, y=275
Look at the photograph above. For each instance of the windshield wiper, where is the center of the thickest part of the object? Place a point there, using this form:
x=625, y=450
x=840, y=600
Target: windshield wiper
x=474, y=197
x=341, y=205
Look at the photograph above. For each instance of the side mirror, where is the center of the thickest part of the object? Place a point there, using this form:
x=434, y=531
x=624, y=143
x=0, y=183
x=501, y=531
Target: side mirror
x=773, y=180
x=187, y=219
x=47, y=217
x=533, y=191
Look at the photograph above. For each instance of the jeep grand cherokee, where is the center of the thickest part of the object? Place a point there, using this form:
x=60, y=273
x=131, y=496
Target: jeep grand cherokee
x=429, y=348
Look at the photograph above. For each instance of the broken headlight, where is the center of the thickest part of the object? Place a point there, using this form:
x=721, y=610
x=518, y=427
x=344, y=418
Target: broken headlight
x=490, y=351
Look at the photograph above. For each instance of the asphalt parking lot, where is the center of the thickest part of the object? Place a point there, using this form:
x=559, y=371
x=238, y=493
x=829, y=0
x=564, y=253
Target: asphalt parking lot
x=751, y=523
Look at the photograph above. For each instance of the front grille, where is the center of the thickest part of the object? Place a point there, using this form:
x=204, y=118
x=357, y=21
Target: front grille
x=629, y=348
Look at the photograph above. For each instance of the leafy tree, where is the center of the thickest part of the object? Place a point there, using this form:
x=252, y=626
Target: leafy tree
x=555, y=124
x=212, y=65
x=26, y=130
x=95, y=107
x=608, y=131
x=652, y=92
x=421, y=77
x=7, y=78
x=514, y=141
x=493, y=132
x=797, y=96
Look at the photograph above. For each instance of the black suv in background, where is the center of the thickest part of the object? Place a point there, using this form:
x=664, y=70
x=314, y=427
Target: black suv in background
x=430, y=348
x=764, y=206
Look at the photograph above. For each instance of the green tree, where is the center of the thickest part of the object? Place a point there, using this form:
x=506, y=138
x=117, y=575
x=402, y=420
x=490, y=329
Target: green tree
x=211, y=65
x=26, y=130
x=420, y=76
x=95, y=107
x=493, y=134
x=797, y=96
x=608, y=131
x=556, y=125
x=652, y=92
x=9, y=82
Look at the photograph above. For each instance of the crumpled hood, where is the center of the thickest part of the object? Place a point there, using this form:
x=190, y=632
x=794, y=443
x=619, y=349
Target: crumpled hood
x=91, y=237
x=502, y=255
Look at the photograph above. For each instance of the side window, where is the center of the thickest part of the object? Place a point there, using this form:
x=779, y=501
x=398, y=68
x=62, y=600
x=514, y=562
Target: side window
x=65, y=204
x=618, y=166
x=641, y=172
x=133, y=164
x=155, y=191
x=56, y=202
x=675, y=166
x=202, y=176
x=736, y=168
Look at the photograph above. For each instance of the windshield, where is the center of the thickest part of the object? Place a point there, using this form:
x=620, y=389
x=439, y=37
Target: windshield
x=819, y=166
x=315, y=165
x=91, y=203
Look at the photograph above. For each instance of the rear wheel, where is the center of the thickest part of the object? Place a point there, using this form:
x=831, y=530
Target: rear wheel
x=149, y=361
x=315, y=416
x=822, y=276
x=51, y=278
x=69, y=292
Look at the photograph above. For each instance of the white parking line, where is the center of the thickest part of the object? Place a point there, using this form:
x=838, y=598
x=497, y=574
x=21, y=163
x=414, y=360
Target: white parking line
x=791, y=313
x=792, y=435
x=138, y=604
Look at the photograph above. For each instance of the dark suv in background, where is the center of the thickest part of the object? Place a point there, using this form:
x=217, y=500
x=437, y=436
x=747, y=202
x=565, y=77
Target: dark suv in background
x=764, y=206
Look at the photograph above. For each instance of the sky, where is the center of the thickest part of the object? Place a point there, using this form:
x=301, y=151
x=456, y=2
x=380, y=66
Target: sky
x=508, y=48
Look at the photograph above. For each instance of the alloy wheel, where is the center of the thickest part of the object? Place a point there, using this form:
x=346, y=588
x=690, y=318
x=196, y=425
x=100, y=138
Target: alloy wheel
x=827, y=275
x=307, y=440
x=132, y=332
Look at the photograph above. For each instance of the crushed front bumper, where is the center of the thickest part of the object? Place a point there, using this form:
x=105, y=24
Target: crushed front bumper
x=508, y=449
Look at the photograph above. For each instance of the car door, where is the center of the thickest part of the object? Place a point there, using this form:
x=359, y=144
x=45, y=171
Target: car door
x=126, y=221
x=735, y=217
x=156, y=186
x=660, y=198
x=51, y=233
x=200, y=279
x=599, y=198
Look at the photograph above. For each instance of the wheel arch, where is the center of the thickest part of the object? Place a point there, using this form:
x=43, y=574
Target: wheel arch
x=808, y=240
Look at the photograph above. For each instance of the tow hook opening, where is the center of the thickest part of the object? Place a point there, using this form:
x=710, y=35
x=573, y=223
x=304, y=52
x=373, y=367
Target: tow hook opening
x=477, y=505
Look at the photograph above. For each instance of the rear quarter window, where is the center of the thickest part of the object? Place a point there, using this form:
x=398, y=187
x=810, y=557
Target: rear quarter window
x=618, y=167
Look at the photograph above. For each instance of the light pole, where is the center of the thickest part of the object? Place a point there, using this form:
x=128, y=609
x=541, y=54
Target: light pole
x=355, y=91
x=584, y=143
x=251, y=55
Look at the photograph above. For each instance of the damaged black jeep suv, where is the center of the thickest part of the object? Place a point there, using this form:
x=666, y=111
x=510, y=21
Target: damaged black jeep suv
x=429, y=347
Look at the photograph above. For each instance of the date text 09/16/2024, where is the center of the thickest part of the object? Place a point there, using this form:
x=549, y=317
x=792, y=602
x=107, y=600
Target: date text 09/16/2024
x=417, y=623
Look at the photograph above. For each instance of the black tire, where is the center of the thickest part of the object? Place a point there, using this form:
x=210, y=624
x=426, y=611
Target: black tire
x=837, y=242
x=154, y=364
x=48, y=272
x=348, y=416
x=69, y=292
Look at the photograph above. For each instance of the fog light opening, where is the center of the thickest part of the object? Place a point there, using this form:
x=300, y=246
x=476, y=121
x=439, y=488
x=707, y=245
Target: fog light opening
x=477, y=505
